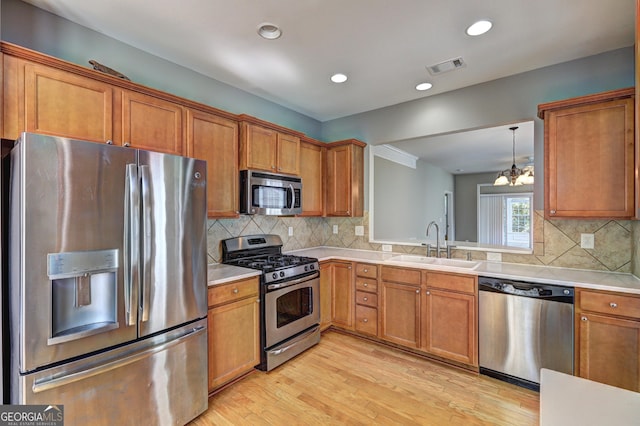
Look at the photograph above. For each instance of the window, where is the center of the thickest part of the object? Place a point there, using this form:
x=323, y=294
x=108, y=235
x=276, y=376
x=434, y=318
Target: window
x=505, y=219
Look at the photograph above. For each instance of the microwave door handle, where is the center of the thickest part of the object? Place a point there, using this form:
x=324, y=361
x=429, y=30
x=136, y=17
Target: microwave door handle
x=131, y=248
x=293, y=197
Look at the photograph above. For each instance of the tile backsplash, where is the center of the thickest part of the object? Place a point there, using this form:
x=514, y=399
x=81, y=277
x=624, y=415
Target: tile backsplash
x=556, y=242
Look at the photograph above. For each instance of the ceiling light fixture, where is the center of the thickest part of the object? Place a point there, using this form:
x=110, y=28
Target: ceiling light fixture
x=339, y=78
x=479, y=28
x=515, y=176
x=424, y=86
x=269, y=31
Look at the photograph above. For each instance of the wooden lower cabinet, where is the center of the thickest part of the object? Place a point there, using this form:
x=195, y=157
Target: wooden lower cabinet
x=325, y=294
x=366, y=287
x=607, y=341
x=450, y=325
x=234, y=331
x=342, y=294
x=400, y=306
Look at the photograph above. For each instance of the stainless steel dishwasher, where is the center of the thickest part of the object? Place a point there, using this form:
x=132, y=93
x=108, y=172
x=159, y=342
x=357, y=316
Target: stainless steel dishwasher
x=524, y=327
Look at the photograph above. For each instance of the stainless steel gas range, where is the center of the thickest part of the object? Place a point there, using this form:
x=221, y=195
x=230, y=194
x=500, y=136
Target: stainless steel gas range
x=289, y=294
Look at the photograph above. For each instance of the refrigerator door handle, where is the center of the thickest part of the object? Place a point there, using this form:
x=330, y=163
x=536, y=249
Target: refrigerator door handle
x=45, y=385
x=146, y=244
x=131, y=247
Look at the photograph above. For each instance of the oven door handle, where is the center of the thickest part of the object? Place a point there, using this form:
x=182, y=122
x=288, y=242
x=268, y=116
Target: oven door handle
x=293, y=282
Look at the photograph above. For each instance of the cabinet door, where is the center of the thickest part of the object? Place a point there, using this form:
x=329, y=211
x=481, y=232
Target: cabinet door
x=151, y=123
x=339, y=177
x=60, y=103
x=589, y=160
x=608, y=350
x=234, y=340
x=311, y=166
x=450, y=326
x=215, y=139
x=342, y=294
x=288, y=154
x=400, y=322
x=326, y=277
x=258, y=148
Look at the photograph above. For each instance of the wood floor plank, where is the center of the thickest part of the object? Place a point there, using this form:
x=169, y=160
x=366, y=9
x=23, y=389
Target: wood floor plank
x=345, y=380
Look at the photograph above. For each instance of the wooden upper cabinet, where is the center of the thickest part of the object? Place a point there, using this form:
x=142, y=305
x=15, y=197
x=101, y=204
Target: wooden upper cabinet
x=46, y=100
x=152, y=123
x=589, y=156
x=345, y=178
x=263, y=148
x=312, y=173
x=215, y=139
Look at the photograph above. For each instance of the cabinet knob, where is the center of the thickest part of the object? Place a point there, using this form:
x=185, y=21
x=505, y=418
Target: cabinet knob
x=109, y=142
x=365, y=285
x=365, y=298
x=235, y=291
x=583, y=319
x=127, y=144
x=365, y=320
x=365, y=270
x=417, y=291
x=552, y=212
x=613, y=304
x=427, y=292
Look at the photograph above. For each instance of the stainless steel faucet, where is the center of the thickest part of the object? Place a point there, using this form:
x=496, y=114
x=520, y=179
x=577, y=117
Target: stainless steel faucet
x=433, y=222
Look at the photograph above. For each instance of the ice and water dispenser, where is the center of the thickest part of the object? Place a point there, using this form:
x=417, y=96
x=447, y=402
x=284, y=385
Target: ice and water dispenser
x=83, y=293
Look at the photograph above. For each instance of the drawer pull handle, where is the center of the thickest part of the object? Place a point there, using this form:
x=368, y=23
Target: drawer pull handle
x=366, y=270
x=365, y=285
x=235, y=291
x=365, y=320
x=613, y=305
x=365, y=299
x=584, y=318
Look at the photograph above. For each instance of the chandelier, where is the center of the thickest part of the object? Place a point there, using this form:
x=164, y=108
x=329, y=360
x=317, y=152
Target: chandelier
x=515, y=176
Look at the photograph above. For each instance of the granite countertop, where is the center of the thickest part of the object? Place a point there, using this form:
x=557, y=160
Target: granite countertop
x=599, y=280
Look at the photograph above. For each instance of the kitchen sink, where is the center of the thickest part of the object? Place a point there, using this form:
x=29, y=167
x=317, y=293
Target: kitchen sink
x=436, y=261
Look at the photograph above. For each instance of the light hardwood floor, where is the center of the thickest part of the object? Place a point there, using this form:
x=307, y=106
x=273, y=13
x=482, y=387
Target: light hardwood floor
x=350, y=381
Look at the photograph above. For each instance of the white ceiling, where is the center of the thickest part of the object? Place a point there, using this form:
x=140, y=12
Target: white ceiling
x=474, y=151
x=384, y=46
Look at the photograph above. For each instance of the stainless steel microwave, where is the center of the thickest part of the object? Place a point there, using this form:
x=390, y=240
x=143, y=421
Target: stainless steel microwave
x=270, y=193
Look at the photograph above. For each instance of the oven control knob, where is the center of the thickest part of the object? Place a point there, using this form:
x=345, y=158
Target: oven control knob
x=281, y=274
x=275, y=276
x=306, y=268
x=312, y=267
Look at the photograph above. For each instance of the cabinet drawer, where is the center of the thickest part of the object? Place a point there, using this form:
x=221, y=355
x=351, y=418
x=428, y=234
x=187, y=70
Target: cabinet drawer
x=368, y=299
x=366, y=284
x=366, y=320
x=225, y=293
x=609, y=303
x=461, y=283
x=366, y=270
x=401, y=275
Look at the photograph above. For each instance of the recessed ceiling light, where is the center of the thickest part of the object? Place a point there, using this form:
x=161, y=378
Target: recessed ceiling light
x=479, y=28
x=339, y=78
x=424, y=86
x=269, y=31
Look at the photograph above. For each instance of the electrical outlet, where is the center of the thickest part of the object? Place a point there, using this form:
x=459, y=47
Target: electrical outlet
x=360, y=230
x=587, y=241
x=291, y=231
x=335, y=229
x=386, y=247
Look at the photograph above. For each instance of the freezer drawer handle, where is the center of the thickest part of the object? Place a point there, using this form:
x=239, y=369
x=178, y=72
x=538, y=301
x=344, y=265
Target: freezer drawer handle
x=46, y=385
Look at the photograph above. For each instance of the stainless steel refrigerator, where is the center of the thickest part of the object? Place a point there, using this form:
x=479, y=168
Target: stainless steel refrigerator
x=107, y=282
